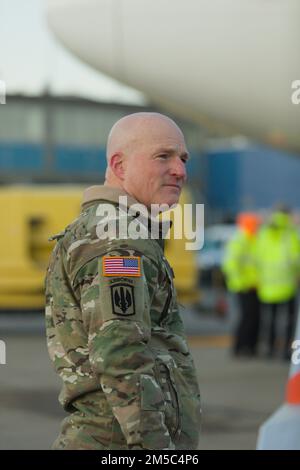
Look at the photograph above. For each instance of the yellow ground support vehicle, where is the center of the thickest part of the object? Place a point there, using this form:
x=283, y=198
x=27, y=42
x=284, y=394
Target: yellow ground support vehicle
x=184, y=262
x=29, y=216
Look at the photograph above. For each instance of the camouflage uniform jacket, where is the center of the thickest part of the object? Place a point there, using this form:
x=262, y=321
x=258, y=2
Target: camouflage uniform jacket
x=117, y=342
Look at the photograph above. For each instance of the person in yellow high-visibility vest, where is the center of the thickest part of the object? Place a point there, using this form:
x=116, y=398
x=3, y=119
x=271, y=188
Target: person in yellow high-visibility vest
x=241, y=278
x=278, y=267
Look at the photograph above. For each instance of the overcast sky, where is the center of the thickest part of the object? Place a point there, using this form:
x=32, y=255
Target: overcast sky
x=31, y=58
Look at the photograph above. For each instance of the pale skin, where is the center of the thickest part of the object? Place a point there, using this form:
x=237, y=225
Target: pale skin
x=146, y=157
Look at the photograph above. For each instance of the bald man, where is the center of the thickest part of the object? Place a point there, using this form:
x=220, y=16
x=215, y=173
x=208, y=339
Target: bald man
x=114, y=331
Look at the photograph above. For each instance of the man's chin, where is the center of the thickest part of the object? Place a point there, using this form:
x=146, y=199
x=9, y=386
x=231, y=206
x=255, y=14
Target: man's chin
x=168, y=202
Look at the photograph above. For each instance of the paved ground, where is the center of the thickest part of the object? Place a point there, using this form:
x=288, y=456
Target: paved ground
x=237, y=396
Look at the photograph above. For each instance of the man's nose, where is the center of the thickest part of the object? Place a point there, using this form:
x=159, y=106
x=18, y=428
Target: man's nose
x=178, y=168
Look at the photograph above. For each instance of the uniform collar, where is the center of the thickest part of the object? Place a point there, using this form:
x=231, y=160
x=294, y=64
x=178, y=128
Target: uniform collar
x=111, y=194
x=106, y=193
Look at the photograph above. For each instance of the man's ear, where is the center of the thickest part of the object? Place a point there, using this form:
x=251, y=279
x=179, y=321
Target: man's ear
x=117, y=165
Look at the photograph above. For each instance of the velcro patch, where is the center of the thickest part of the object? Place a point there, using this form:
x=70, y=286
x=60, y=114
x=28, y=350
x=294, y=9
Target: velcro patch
x=122, y=297
x=121, y=266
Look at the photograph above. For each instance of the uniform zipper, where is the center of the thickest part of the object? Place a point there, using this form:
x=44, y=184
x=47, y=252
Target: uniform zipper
x=175, y=399
x=166, y=307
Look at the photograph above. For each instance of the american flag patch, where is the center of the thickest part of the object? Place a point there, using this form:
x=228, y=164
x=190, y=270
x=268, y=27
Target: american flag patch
x=122, y=266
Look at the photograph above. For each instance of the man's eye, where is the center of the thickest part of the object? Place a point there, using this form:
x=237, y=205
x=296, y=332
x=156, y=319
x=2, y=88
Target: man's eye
x=163, y=156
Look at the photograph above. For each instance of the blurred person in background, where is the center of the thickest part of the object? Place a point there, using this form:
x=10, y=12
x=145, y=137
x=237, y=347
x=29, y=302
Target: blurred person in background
x=241, y=279
x=278, y=267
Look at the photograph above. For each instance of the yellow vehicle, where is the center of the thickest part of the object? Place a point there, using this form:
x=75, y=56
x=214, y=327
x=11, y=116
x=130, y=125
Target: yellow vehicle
x=184, y=262
x=29, y=216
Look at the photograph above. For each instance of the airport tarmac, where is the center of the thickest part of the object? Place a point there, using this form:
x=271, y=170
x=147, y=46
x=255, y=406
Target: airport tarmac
x=237, y=395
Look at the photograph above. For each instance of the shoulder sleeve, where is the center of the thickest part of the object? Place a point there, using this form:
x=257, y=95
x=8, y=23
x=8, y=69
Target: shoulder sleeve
x=116, y=299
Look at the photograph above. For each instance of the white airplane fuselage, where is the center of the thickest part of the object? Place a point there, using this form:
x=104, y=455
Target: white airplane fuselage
x=231, y=62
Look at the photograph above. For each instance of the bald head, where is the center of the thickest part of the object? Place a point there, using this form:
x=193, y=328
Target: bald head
x=133, y=149
x=127, y=133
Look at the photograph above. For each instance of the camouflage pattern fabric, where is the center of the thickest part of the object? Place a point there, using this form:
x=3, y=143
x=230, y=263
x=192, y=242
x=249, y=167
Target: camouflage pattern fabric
x=118, y=344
